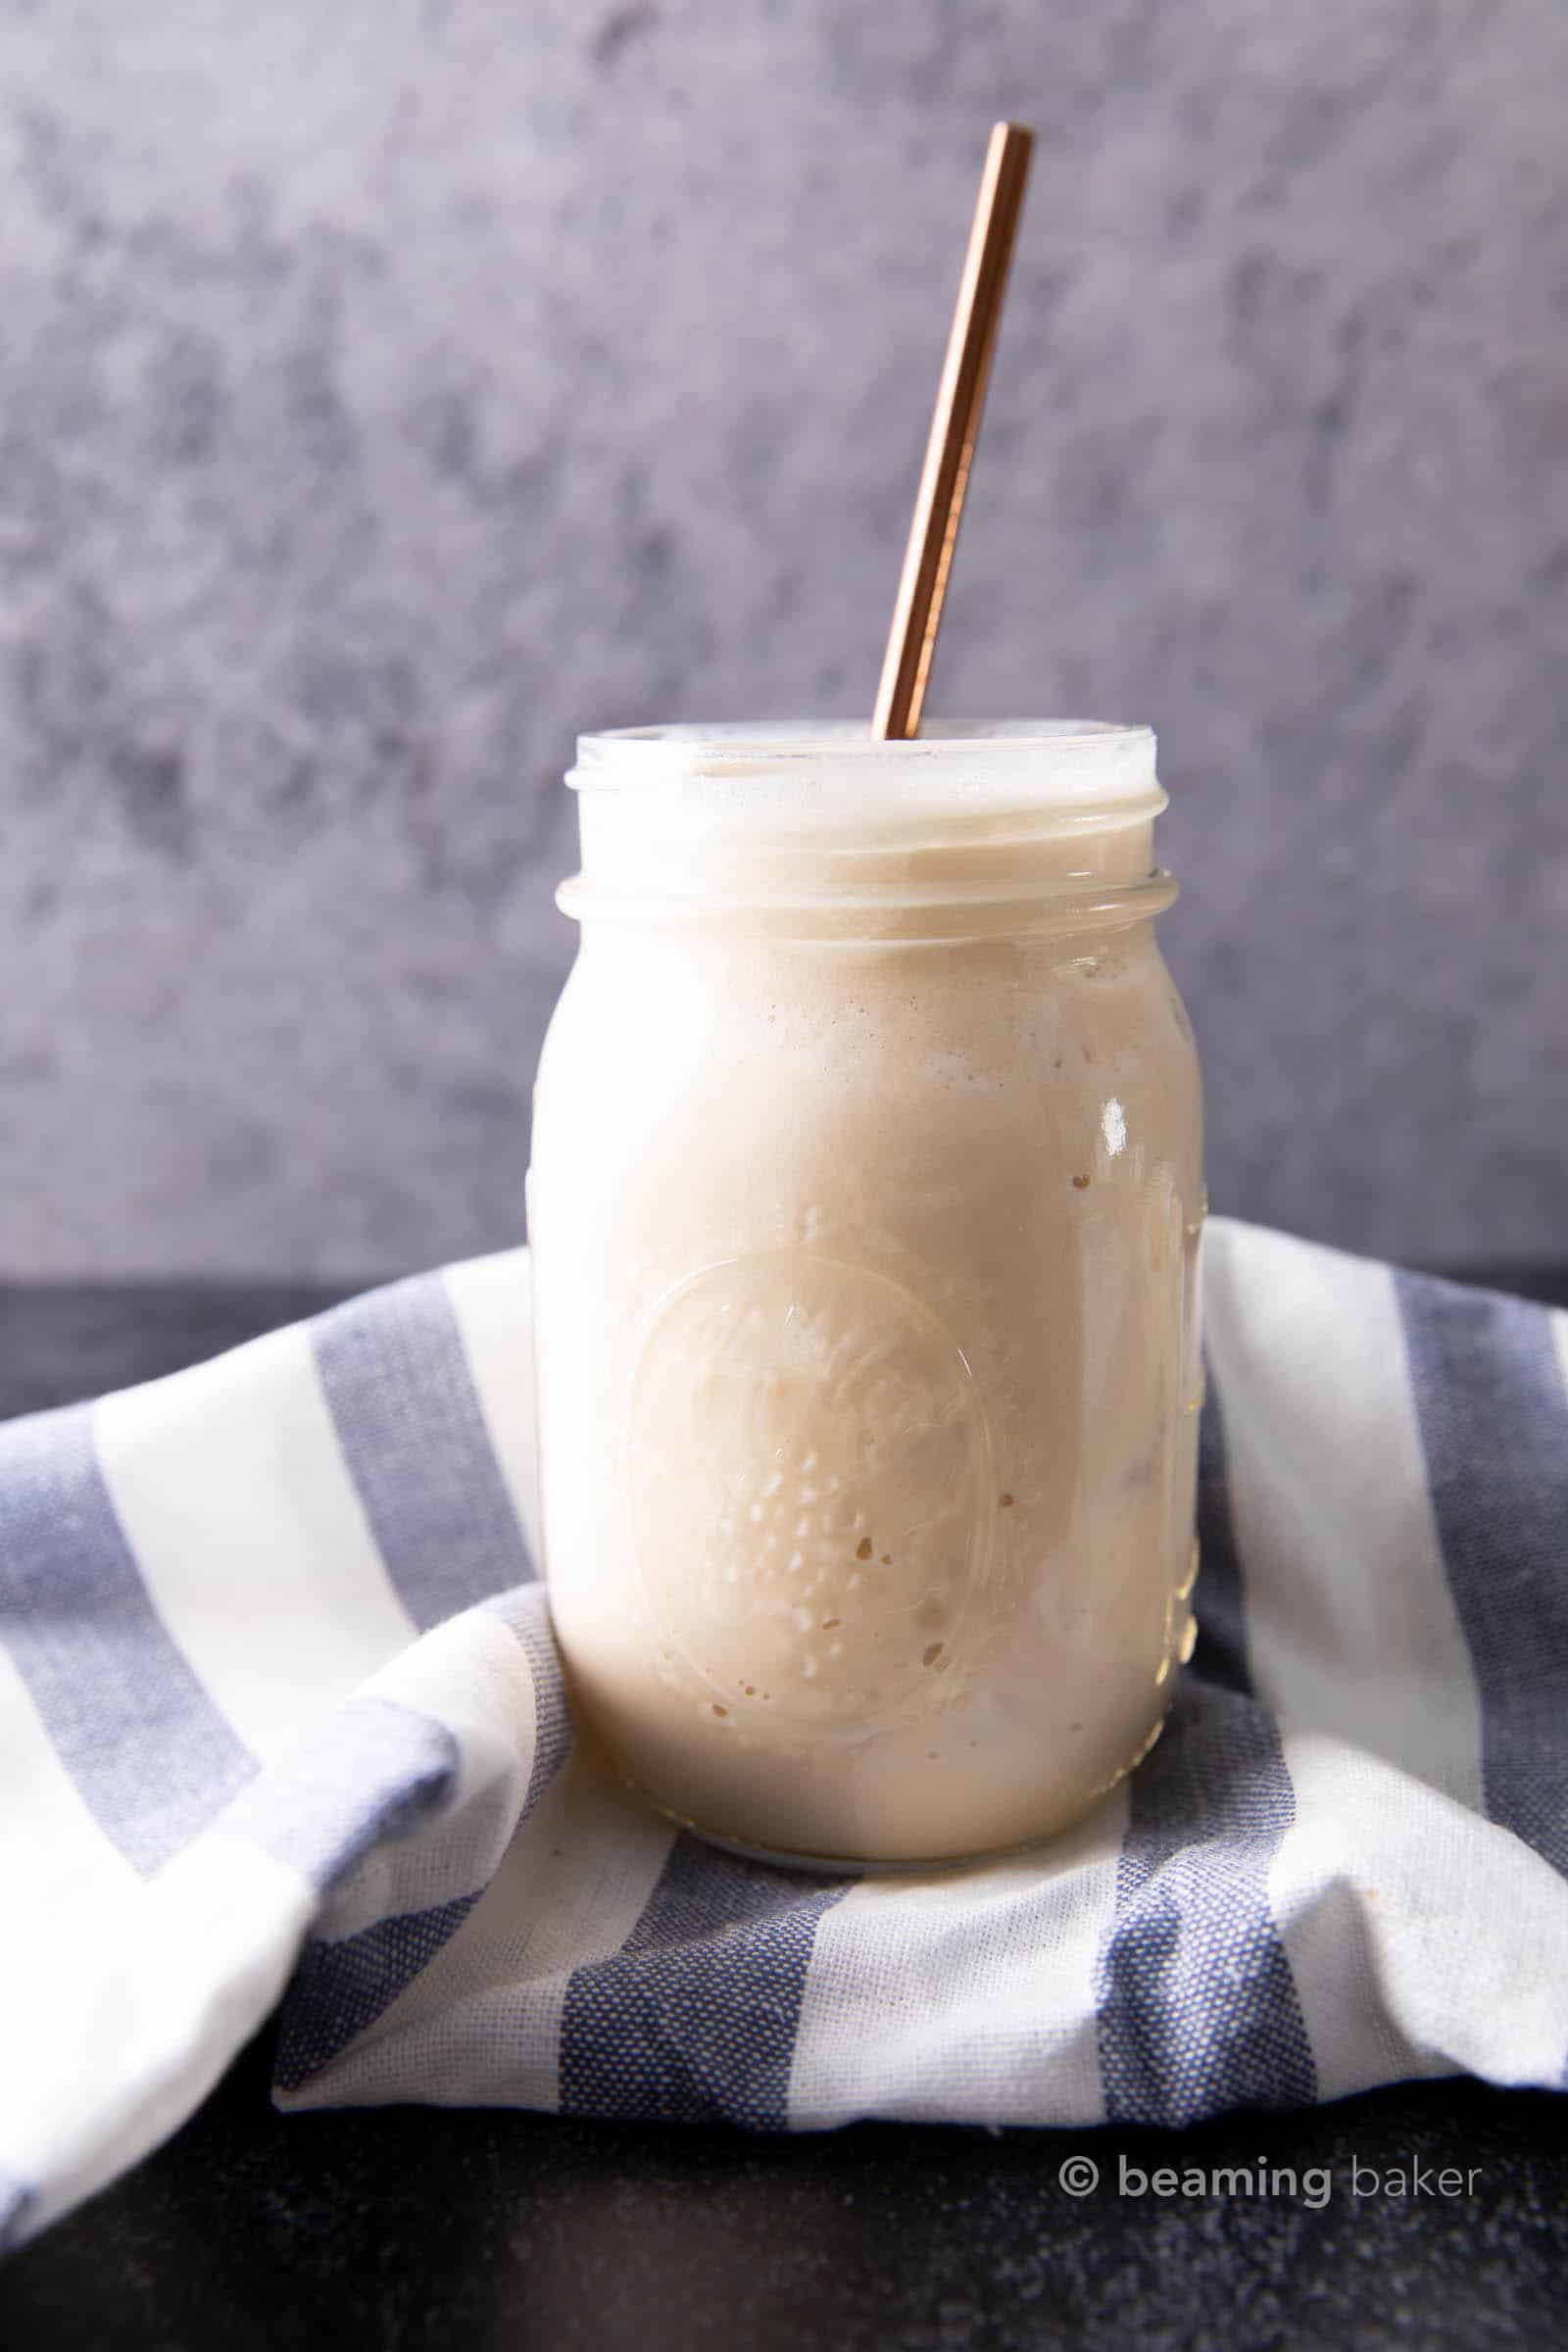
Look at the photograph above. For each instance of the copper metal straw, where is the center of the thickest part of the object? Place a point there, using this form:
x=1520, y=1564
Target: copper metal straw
x=961, y=397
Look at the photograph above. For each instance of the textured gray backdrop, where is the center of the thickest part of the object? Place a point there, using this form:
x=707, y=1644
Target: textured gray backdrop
x=389, y=391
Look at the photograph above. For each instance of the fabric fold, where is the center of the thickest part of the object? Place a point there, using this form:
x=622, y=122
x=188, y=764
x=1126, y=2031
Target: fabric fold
x=281, y=1722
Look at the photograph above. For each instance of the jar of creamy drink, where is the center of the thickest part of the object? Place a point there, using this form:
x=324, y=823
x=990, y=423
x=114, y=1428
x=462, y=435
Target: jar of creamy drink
x=866, y=1204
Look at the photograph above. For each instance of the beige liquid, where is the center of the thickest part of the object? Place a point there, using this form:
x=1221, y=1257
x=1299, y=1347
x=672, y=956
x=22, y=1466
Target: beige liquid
x=865, y=1200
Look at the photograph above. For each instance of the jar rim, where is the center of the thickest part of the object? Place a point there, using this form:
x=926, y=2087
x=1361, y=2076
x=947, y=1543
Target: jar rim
x=731, y=748
x=820, y=829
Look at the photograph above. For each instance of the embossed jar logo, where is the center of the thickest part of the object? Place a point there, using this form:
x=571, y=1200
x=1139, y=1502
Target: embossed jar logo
x=810, y=1490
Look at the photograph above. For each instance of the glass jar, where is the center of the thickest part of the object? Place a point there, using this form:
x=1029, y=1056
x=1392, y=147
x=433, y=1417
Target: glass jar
x=865, y=1202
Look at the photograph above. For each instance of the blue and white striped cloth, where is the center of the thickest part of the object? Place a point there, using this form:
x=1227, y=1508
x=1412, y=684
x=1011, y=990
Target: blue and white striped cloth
x=280, y=1720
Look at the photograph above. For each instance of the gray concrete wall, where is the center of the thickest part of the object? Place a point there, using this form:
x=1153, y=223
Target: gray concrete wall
x=389, y=392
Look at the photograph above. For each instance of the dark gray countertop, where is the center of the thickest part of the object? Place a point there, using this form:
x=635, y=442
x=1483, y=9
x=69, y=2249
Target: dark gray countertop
x=411, y=2227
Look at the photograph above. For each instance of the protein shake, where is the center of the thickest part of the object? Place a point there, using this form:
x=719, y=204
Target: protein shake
x=865, y=1201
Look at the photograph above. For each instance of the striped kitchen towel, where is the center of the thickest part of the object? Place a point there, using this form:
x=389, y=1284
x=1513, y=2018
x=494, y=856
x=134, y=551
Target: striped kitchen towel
x=280, y=1720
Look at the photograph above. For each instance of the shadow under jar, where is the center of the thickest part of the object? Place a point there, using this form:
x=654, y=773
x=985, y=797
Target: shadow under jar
x=866, y=1205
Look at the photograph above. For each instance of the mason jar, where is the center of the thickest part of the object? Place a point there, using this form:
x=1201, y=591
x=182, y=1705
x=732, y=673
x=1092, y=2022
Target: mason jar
x=865, y=1201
